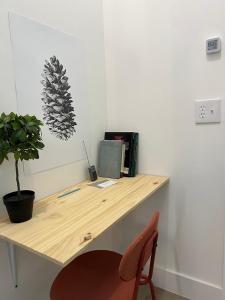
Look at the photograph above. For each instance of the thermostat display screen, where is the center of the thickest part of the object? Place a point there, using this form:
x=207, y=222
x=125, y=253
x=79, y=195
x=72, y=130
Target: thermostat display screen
x=213, y=45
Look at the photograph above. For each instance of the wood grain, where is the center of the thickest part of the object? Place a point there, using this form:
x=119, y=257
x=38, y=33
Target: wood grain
x=62, y=227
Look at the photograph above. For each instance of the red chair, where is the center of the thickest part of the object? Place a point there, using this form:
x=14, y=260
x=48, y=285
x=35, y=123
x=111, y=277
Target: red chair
x=107, y=275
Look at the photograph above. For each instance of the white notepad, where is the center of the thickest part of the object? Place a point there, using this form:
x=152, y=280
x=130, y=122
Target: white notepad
x=107, y=183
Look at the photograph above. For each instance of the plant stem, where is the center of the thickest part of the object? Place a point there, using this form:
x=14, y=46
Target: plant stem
x=17, y=178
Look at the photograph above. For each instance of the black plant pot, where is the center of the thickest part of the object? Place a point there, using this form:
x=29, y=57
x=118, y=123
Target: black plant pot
x=19, y=209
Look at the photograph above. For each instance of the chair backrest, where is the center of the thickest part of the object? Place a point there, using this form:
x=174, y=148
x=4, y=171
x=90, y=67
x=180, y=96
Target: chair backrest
x=139, y=251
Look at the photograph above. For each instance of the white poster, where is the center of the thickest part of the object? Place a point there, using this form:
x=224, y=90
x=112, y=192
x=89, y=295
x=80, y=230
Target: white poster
x=51, y=83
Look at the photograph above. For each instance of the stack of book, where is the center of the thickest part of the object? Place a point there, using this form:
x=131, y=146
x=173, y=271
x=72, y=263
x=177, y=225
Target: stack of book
x=118, y=155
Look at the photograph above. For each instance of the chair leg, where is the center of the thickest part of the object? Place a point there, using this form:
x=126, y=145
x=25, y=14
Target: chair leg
x=152, y=289
x=146, y=280
x=143, y=279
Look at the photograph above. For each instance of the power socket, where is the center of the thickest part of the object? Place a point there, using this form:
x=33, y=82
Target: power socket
x=208, y=111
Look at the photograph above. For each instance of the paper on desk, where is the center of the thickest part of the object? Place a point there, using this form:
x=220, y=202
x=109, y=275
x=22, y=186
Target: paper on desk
x=107, y=183
x=103, y=184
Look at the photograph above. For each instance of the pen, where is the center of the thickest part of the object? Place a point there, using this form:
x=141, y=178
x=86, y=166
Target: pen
x=68, y=193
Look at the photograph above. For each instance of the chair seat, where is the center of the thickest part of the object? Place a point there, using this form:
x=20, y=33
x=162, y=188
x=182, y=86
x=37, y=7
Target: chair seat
x=92, y=276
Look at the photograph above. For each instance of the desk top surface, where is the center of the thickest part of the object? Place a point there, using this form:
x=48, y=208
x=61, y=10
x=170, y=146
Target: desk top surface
x=62, y=227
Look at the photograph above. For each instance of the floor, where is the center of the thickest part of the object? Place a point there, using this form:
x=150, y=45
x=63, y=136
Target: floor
x=160, y=294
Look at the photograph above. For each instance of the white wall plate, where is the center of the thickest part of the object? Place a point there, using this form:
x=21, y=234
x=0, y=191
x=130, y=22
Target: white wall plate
x=208, y=111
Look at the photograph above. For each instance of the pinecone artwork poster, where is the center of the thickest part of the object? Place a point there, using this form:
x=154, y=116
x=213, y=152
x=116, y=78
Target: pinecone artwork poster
x=57, y=109
x=51, y=83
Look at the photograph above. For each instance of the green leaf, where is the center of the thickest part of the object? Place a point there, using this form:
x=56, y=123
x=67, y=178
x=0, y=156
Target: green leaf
x=40, y=145
x=21, y=135
x=25, y=156
x=3, y=115
x=35, y=154
x=22, y=121
x=12, y=116
x=28, y=118
x=7, y=118
x=17, y=155
x=32, y=123
x=16, y=125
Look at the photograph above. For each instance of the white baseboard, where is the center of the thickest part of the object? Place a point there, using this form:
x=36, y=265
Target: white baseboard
x=186, y=286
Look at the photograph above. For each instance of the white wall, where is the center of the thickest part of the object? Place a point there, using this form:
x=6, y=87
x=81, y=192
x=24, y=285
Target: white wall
x=156, y=67
x=82, y=19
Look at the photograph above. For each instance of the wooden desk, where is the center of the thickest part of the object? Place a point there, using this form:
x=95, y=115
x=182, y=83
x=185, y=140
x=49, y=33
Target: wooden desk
x=59, y=228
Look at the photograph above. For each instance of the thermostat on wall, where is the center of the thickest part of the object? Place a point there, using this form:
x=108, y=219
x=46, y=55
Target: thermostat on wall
x=213, y=45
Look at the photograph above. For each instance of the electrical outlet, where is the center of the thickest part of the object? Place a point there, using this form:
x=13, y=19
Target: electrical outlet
x=208, y=111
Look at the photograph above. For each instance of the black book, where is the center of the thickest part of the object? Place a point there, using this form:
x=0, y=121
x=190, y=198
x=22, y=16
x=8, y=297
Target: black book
x=130, y=139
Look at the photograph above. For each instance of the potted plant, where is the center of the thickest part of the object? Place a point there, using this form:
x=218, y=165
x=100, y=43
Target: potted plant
x=21, y=136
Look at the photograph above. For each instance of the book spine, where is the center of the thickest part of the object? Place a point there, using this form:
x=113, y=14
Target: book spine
x=134, y=155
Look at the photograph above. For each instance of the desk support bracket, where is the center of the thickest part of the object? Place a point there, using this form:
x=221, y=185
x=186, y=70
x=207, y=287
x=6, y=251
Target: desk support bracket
x=12, y=262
